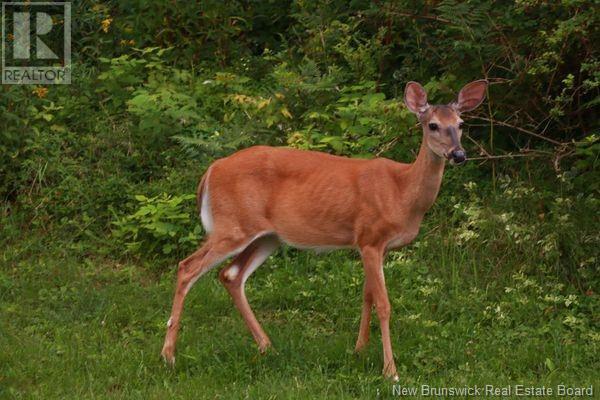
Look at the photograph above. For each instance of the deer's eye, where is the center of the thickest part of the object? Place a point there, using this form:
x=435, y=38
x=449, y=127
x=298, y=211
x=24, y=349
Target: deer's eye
x=433, y=127
x=461, y=125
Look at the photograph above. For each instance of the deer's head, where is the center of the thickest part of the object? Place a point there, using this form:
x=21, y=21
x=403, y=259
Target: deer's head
x=442, y=125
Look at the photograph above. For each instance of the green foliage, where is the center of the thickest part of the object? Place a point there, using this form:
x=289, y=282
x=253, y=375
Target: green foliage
x=209, y=78
x=523, y=222
x=159, y=223
x=501, y=286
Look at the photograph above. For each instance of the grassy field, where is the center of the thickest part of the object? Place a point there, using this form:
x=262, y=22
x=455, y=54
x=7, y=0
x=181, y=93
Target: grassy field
x=78, y=325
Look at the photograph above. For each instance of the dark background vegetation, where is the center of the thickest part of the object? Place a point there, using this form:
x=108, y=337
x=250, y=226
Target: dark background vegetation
x=97, y=181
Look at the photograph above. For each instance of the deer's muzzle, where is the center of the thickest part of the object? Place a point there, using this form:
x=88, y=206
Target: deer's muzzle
x=458, y=156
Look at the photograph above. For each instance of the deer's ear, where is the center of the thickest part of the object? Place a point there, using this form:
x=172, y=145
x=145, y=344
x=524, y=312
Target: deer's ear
x=471, y=96
x=415, y=98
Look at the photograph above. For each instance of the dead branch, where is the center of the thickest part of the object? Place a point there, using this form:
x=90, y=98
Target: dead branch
x=537, y=135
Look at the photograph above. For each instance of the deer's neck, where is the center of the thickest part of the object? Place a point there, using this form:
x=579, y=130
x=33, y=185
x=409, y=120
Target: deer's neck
x=425, y=178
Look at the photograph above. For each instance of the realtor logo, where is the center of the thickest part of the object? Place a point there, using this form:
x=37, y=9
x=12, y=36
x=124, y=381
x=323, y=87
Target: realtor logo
x=36, y=43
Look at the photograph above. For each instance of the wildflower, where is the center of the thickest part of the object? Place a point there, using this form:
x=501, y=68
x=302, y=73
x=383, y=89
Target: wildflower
x=106, y=24
x=40, y=92
x=125, y=42
x=286, y=113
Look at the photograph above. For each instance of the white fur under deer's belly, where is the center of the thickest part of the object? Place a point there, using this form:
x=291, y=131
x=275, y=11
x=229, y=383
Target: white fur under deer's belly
x=402, y=240
x=317, y=248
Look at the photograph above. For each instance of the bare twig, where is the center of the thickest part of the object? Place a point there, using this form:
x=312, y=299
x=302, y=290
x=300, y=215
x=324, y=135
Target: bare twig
x=387, y=146
x=482, y=150
x=509, y=155
x=562, y=153
x=537, y=135
x=557, y=156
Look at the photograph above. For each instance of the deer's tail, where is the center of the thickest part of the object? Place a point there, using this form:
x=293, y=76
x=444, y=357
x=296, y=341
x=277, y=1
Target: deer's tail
x=203, y=203
x=200, y=192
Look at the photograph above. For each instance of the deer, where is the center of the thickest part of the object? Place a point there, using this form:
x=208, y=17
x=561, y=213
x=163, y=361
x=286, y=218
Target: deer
x=258, y=198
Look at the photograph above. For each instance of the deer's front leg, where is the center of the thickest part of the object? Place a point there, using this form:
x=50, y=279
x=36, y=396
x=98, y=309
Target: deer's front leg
x=375, y=286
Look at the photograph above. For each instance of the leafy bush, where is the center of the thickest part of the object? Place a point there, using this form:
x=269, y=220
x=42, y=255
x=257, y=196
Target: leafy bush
x=160, y=223
x=160, y=94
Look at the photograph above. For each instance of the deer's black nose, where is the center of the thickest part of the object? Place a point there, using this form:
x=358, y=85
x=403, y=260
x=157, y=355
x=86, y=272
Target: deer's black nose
x=458, y=156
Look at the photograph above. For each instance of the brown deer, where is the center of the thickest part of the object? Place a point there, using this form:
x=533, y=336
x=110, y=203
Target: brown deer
x=257, y=198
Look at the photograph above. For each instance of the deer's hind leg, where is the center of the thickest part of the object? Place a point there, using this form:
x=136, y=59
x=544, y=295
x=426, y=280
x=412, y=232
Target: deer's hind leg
x=234, y=277
x=216, y=249
x=365, y=319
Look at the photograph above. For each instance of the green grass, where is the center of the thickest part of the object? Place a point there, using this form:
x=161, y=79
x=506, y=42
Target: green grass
x=76, y=325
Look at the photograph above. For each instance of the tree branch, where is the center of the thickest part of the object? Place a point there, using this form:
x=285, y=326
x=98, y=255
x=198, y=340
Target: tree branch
x=537, y=135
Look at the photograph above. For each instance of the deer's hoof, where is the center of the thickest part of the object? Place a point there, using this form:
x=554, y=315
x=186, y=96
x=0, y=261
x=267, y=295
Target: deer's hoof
x=391, y=374
x=168, y=356
x=392, y=377
x=264, y=346
x=360, y=346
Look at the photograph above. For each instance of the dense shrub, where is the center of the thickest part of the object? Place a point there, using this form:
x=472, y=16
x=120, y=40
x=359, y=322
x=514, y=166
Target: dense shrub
x=159, y=93
x=160, y=223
